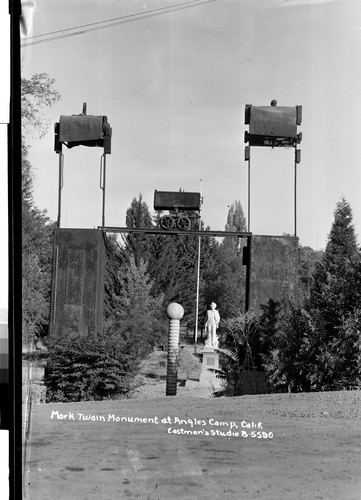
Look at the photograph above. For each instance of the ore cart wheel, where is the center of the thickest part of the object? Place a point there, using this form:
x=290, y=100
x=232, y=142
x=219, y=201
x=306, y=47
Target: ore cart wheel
x=183, y=223
x=166, y=222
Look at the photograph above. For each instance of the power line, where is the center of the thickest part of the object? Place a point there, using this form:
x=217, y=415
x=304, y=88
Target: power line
x=113, y=19
x=85, y=28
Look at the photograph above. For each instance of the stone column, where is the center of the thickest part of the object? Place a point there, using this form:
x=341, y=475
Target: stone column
x=175, y=314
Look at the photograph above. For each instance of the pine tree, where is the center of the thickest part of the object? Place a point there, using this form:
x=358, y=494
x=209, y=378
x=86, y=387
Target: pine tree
x=269, y=325
x=137, y=217
x=331, y=293
x=289, y=364
x=336, y=305
x=137, y=315
x=318, y=347
x=341, y=250
x=171, y=259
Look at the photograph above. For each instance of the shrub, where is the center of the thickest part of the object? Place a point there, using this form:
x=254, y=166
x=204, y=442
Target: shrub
x=289, y=363
x=88, y=368
x=236, y=355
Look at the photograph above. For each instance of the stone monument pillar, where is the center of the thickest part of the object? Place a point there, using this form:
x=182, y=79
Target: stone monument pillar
x=175, y=314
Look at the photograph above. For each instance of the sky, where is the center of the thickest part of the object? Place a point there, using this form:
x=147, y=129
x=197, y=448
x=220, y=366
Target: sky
x=174, y=85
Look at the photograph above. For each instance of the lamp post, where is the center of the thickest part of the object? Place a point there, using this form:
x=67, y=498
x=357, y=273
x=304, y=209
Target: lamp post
x=175, y=314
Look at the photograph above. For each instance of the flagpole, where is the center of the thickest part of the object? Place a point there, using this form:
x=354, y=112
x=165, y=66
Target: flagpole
x=198, y=273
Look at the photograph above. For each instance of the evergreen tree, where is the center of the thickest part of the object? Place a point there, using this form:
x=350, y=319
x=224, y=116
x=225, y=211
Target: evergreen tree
x=173, y=268
x=308, y=260
x=268, y=328
x=289, y=362
x=317, y=347
x=341, y=250
x=138, y=245
x=136, y=315
x=225, y=283
x=113, y=263
x=138, y=215
x=335, y=305
x=331, y=293
x=171, y=259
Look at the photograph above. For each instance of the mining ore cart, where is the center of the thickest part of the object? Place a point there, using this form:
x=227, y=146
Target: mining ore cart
x=183, y=208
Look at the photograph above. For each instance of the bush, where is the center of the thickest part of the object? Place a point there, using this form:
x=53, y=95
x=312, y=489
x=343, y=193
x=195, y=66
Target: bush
x=338, y=359
x=289, y=363
x=236, y=355
x=88, y=368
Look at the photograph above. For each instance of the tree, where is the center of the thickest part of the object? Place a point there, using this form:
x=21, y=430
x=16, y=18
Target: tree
x=112, y=287
x=308, y=260
x=37, y=229
x=318, y=345
x=289, y=359
x=335, y=360
x=36, y=268
x=225, y=280
x=171, y=259
x=36, y=93
x=268, y=328
x=341, y=250
x=331, y=294
x=136, y=315
x=236, y=220
x=137, y=216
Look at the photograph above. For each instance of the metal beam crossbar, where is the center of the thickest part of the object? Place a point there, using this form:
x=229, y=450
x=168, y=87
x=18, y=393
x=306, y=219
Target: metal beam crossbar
x=191, y=232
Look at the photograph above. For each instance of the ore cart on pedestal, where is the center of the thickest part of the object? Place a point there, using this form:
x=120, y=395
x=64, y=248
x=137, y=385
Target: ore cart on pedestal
x=183, y=208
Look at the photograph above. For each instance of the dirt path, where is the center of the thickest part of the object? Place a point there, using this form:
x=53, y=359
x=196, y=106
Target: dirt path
x=154, y=388
x=310, y=449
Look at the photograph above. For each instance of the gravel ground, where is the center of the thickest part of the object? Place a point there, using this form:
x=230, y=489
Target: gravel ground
x=335, y=404
x=32, y=376
x=315, y=451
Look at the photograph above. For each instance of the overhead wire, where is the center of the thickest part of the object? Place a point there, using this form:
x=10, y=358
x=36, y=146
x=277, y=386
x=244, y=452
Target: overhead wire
x=108, y=23
x=114, y=19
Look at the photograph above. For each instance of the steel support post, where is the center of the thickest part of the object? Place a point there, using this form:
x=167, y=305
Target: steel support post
x=60, y=186
x=102, y=183
x=249, y=274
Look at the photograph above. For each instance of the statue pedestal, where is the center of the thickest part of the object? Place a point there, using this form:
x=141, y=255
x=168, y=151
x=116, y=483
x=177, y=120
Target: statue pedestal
x=210, y=361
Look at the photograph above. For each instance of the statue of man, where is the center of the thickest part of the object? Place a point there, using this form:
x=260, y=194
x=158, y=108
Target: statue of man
x=211, y=325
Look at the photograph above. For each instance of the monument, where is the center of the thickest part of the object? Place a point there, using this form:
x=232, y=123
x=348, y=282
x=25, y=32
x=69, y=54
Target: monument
x=210, y=357
x=211, y=326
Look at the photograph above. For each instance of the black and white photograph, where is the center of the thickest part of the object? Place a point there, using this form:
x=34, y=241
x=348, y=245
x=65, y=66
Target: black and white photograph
x=191, y=249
